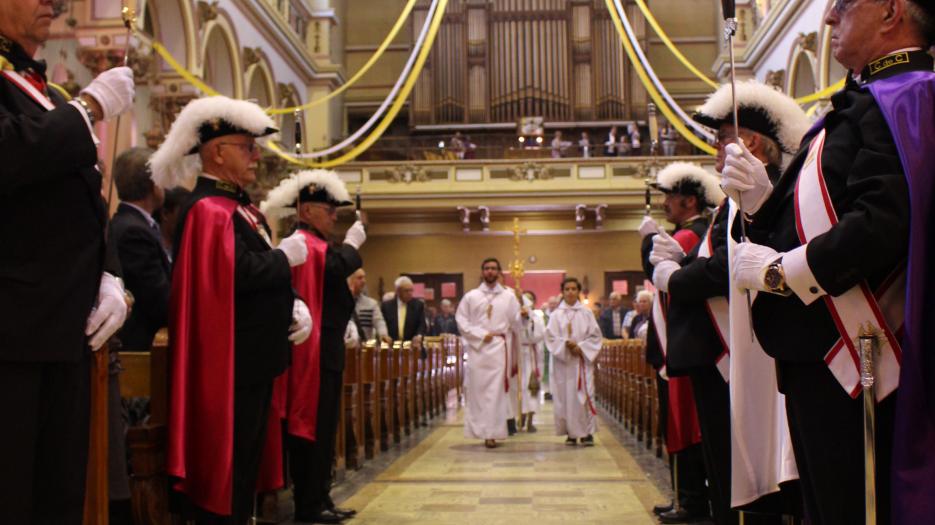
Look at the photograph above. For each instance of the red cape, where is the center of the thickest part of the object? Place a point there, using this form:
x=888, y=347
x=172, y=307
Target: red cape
x=296, y=392
x=201, y=339
x=683, y=428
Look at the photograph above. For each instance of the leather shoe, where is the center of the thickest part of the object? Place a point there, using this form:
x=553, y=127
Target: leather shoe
x=323, y=516
x=659, y=510
x=681, y=516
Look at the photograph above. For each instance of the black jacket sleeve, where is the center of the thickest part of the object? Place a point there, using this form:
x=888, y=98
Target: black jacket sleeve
x=258, y=270
x=143, y=261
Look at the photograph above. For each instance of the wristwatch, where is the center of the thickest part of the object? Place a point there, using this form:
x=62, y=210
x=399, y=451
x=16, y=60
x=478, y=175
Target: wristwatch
x=128, y=297
x=775, y=279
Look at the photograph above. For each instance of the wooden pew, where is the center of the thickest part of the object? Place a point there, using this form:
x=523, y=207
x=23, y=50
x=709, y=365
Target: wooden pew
x=395, y=391
x=384, y=369
x=372, y=409
x=146, y=374
x=353, y=409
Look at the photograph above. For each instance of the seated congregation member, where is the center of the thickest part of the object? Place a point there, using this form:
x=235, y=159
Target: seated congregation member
x=640, y=323
x=315, y=196
x=367, y=313
x=137, y=237
x=611, y=320
x=168, y=216
x=489, y=320
x=60, y=296
x=404, y=314
x=233, y=313
x=574, y=341
x=445, y=322
x=852, y=207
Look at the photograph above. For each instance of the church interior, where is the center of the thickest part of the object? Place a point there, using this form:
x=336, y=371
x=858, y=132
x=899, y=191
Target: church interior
x=526, y=130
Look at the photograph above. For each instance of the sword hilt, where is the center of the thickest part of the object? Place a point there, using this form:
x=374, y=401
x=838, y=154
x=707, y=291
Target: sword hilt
x=867, y=344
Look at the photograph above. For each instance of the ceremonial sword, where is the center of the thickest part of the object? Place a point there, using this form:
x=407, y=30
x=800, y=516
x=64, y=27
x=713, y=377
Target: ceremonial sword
x=867, y=344
x=129, y=17
x=730, y=29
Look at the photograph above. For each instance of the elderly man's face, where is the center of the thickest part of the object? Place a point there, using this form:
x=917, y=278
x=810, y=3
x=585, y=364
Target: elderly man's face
x=320, y=215
x=854, y=26
x=26, y=22
x=357, y=281
x=615, y=301
x=447, y=308
x=234, y=158
x=404, y=292
x=678, y=207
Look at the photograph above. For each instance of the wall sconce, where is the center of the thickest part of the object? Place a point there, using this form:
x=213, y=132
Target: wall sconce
x=599, y=212
x=484, y=212
x=465, y=218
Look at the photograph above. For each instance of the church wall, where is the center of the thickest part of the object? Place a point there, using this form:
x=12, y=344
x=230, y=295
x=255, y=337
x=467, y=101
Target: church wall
x=582, y=254
x=808, y=18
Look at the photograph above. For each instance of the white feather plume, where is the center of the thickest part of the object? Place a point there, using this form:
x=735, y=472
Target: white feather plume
x=675, y=172
x=280, y=201
x=790, y=120
x=171, y=164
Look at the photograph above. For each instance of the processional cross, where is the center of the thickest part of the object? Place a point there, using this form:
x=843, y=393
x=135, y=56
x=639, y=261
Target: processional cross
x=516, y=267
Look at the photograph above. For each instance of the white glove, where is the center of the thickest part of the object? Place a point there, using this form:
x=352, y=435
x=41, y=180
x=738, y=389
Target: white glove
x=108, y=314
x=356, y=235
x=295, y=248
x=748, y=267
x=662, y=273
x=665, y=248
x=301, y=326
x=113, y=90
x=648, y=226
x=744, y=178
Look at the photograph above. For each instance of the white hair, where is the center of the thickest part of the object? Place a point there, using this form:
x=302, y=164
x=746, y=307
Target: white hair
x=615, y=295
x=445, y=302
x=401, y=281
x=644, y=293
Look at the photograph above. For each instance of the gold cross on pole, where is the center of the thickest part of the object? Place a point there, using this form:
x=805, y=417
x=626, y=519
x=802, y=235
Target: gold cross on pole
x=516, y=267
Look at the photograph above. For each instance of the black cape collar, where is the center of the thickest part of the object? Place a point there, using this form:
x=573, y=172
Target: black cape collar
x=18, y=57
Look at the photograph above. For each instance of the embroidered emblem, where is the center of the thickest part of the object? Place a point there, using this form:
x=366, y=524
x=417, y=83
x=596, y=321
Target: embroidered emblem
x=888, y=61
x=226, y=186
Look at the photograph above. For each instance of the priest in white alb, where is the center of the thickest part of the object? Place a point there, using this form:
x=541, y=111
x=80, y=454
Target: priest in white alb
x=489, y=320
x=574, y=339
x=530, y=370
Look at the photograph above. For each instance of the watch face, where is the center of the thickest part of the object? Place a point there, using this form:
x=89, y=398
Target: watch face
x=773, y=278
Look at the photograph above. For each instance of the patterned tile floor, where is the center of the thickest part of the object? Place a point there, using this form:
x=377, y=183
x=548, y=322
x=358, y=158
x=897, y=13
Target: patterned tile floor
x=530, y=478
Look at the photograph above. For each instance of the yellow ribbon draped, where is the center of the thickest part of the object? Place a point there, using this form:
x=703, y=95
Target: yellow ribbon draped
x=651, y=89
x=675, y=51
x=361, y=72
x=823, y=94
x=393, y=110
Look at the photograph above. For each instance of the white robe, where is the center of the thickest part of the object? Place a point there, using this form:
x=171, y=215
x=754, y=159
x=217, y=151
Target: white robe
x=531, y=359
x=572, y=377
x=483, y=311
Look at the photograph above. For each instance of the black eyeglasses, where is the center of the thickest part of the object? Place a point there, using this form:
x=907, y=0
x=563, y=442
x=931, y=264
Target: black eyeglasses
x=251, y=148
x=840, y=6
x=330, y=209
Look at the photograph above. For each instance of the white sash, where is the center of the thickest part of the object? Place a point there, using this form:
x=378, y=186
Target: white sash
x=814, y=215
x=659, y=323
x=718, y=311
x=29, y=89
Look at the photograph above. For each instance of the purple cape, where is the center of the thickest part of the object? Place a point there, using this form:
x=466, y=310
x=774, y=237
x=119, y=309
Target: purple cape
x=908, y=105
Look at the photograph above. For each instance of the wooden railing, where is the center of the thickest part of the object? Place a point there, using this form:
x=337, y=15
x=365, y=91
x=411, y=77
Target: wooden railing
x=626, y=388
x=389, y=391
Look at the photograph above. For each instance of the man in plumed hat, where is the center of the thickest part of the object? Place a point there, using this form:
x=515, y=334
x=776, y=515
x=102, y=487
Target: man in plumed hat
x=315, y=382
x=233, y=312
x=60, y=296
x=828, y=244
x=689, y=192
x=770, y=123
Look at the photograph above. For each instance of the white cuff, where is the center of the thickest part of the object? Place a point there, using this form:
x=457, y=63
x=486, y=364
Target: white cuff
x=799, y=276
x=87, y=121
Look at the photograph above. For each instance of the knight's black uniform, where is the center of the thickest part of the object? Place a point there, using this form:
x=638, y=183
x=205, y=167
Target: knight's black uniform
x=867, y=187
x=692, y=493
x=310, y=462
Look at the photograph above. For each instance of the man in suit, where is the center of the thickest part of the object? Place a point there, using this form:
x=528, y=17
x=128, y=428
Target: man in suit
x=234, y=315
x=61, y=298
x=136, y=236
x=405, y=316
x=611, y=319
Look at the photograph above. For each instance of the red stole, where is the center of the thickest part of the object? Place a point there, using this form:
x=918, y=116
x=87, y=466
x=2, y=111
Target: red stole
x=201, y=339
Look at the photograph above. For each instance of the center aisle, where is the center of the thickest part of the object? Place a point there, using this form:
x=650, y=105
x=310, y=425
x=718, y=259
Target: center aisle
x=528, y=478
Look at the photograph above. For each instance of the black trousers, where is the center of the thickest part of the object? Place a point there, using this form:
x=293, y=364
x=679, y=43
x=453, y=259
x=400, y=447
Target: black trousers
x=693, y=495
x=251, y=417
x=827, y=436
x=45, y=408
x=310, y=462
x=712, y=401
